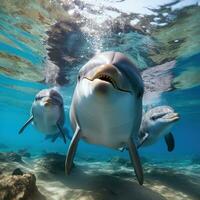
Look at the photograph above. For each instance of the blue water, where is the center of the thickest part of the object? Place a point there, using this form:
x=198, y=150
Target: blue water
x=29, y=41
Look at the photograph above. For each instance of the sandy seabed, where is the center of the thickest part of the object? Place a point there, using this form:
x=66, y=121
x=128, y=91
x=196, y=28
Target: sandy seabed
x=106, y=180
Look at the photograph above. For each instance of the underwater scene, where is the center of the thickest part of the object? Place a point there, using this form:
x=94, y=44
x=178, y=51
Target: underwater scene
x=99, y=100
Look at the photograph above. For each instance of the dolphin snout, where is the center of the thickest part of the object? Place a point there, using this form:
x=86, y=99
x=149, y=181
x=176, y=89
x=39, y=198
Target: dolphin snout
x=172, y=117
x=175, y=116
x=107, y=72
x=47, y=102
x=110, y=74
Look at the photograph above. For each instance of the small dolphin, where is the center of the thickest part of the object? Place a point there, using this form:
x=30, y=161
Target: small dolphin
x=47, y=114
x=156, y=123
x=106, y=108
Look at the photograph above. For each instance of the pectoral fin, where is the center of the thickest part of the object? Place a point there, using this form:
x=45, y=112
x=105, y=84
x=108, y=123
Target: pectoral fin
x=135, y=161
x=66, y=131
x=61, y=132
x=52, y=137
x=122, y=149
x=141, y=142
x=72, y=150
x=169, y=139
x=26, y=124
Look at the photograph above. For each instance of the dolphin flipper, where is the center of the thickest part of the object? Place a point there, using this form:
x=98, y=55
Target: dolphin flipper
x=26, y=124
x=61, y=131
x=52, y=137
x=146, y=135
x=135, y=161
x=72, y=150
x=66, y=130
x=122, y=149
x=169, y=140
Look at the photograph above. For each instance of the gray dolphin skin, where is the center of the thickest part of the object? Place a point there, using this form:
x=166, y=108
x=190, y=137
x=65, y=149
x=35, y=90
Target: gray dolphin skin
x=156, y=123
x=106, y=108
x=47, y=114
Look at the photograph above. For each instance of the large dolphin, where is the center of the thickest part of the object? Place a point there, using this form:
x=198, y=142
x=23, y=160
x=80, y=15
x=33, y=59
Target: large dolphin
x=156, y=123
x=47, y=114
x=106, y=108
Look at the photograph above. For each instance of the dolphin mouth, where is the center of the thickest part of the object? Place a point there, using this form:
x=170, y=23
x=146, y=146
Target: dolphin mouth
x=51, y=101
x=48, y=102
x=172, y=117
x=107, y=78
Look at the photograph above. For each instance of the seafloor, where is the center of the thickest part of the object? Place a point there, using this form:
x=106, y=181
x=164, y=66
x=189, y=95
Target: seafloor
x=114, y=178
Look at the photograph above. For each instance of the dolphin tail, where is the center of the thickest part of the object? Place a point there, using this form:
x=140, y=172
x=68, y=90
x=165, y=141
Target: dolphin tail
x=134, y=156
x=72, y=151
x=26, y=124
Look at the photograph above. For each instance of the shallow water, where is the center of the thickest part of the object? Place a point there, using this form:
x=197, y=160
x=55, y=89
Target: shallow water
x=44, y=43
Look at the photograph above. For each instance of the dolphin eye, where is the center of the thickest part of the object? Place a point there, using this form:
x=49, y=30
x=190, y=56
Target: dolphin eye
x=38, y=98
x=153, y=118
x=79, y=77
x=158, y=116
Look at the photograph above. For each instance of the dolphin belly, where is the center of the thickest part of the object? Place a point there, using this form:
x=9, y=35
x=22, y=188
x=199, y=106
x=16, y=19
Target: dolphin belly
x=45, y=119
x=106, y=122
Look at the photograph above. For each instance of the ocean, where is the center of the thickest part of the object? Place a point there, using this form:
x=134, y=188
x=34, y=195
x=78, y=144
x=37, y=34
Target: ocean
x=44, y=43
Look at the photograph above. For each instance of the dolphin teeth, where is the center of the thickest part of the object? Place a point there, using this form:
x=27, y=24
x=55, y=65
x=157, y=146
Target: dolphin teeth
x=106, y=78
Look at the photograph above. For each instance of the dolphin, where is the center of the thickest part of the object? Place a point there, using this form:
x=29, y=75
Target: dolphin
x=47, y=114
x=156, y=123
x=106, y=107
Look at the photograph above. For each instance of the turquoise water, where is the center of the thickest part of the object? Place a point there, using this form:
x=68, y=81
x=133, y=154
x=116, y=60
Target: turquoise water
x=44, y=43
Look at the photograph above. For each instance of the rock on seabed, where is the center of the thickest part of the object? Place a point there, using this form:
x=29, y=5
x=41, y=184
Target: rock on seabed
x=21, y=187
